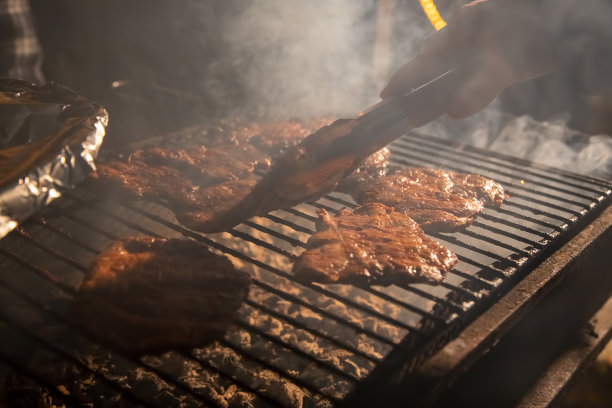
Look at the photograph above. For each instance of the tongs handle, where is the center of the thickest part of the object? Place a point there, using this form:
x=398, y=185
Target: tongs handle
x=387, y=120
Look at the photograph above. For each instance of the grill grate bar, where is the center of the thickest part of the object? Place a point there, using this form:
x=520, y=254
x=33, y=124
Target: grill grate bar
x=465, y=292
x=442, y=301
x=52, y=388
x=339, y=200
x=431, y=157
x=486, y=285
x=484, y=268
x=523, y=187
x=84, y=223
x=289, y=224
x=575, y=213
x=35, y=338
x=243, y=385
x=323, y=206
x=293, y=241
x=318, y=333
x=508, y=185
x=259, y=242
x=508, y=234
x=503, y=221
x=382, y=295
x=323, y=312
x=294, y=378
x=298, y=213
x=46, y=275
x=24, y=235
x=508, y=193
x=453, y=239
x=513, y=163
x=296, y=350
x=61, y=232
x=71, y=324
x=510, y=203
x=475, y=235
x=545, y=224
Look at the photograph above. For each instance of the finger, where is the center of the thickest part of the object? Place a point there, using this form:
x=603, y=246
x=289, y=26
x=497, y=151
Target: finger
x=415, y=72
x=462, y=39
x=488, y=81
x=440, y=52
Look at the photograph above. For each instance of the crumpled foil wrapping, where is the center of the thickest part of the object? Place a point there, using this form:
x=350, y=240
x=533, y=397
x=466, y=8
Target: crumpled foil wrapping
x=49, y=138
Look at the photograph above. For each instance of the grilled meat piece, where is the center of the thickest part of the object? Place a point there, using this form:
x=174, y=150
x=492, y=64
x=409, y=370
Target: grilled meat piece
x=198, y=211
x=192, y=205
x=372, y=168
x=438, y=200
x=276, y=138
x=148, y=295
x=206, y=166
x=373, y=245
x=273, y=138
x=135, y=180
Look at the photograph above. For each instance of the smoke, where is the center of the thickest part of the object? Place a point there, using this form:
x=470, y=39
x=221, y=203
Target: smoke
x=299, y=59
x=306, y=59
x=296, y=59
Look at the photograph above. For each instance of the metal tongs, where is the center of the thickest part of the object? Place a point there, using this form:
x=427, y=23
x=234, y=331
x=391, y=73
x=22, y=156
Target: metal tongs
x=315, y=166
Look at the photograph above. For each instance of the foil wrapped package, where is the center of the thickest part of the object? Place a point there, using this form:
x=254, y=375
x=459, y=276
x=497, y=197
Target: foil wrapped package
x=49, y=138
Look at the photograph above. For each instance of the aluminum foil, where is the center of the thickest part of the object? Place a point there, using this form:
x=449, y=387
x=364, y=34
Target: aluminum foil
x=49, y=138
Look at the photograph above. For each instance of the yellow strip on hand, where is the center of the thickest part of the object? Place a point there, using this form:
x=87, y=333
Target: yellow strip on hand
x=432, y=14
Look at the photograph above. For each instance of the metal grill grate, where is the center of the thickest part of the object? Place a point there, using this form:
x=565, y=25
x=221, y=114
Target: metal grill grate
x=294, y=344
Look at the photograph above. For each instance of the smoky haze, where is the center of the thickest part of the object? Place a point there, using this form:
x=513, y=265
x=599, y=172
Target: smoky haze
x=301, y=59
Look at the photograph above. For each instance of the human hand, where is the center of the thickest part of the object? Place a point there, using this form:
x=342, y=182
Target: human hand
x=506, y=37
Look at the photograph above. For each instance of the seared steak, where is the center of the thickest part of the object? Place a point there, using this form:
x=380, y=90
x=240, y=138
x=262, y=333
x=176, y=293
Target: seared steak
x=374, y=245
x=372, y=168
x=206, y=166
x=136, y=180
x=273, y=137
x=149, y=295
x=438, y=200
x=193, y=206
x=197, y=211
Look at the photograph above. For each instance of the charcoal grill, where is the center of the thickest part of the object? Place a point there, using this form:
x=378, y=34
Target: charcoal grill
x=318, y=345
